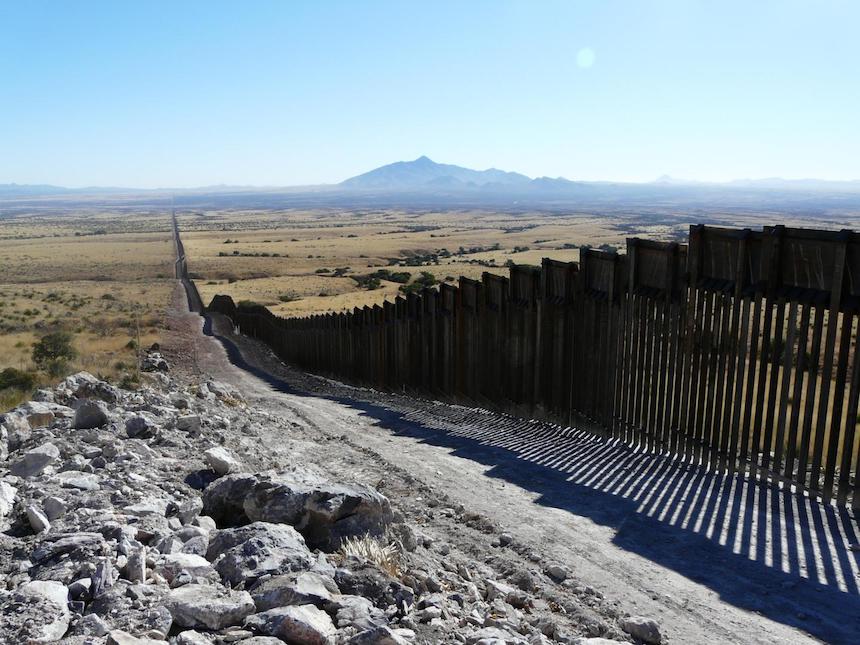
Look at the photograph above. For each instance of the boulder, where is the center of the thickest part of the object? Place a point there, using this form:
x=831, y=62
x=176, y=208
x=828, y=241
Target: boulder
x=33, y=462
x=224, y=391
x=222, y=460
x=645, y=629
x=135, y=567
x=381, y=635
x=78, y=480
x=189, y=423
x=208, y=606
x=89, y=414
x=364, y=579
x=557, y=572
x=91, y=625
x=15, y=422
x=494, y=636
x=84, y=385
x=189, y=509
x=36, y=612
x=38, y=414
x=245, y=553
x=54, y=507
x=7, y=502
x=120, y=637
x=224, y=499
x=36, y=518
x=193, y=637
x=154, y=362
x=141, y=426
x=298, y=625
x=134, y=608
x=170, y=565
x=148, y=506
x=325, y=512
x=357, y=612
x=4, y=441
x=304, y=588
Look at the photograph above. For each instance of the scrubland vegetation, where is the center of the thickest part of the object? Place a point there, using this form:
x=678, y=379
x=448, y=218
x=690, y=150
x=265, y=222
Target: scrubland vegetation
x=305, y=262
x=81, y=299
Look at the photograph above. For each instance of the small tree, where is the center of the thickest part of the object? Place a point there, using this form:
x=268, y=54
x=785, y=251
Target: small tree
x=53, y=352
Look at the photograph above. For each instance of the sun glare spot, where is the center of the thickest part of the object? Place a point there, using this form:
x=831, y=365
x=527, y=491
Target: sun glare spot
x=585, y=57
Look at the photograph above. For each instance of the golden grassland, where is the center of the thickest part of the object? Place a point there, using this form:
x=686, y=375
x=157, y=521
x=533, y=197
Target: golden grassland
x=287, y=259
x=105, y=285
x=305, y=262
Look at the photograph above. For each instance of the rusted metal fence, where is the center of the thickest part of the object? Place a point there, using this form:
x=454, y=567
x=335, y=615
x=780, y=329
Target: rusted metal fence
x=737, y=352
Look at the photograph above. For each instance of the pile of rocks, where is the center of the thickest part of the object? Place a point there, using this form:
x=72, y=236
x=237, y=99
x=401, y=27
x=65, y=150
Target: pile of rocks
x=125, y=521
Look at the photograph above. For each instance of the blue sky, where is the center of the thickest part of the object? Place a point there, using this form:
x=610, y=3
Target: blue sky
x=283, y=93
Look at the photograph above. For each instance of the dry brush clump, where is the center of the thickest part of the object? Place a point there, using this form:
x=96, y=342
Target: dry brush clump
x=386, y=556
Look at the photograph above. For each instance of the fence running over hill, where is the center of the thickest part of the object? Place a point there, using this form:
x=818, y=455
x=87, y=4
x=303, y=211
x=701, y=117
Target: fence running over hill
x=180, y=267
x=737, y=352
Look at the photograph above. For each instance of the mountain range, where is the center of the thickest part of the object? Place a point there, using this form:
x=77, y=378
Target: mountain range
x=425, y=176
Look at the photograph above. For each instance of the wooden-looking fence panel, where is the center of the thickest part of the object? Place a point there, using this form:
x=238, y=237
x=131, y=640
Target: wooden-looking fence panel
x=737, y=351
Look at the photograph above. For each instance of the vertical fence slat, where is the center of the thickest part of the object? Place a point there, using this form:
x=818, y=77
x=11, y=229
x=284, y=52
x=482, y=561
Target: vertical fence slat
x=738, y=354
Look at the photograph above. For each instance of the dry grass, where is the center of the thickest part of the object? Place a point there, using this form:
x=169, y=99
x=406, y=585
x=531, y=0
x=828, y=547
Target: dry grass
x=264, y=256
x=100, y=287
x=373, y=550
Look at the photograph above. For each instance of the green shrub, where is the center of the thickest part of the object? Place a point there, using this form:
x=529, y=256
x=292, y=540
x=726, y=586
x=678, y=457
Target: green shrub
x=15, y=379
x=53, y=352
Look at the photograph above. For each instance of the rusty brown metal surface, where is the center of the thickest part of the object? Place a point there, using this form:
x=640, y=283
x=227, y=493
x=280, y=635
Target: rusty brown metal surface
x=737, y=351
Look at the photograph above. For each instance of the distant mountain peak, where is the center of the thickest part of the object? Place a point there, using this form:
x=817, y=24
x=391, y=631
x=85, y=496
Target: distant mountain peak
x=425, y=174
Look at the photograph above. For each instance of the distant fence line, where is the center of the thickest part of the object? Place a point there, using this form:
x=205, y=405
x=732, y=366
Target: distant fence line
x=737, y=351
x=180, y=266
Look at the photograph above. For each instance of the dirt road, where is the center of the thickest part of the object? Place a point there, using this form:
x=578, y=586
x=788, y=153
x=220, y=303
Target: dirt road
x=713, y=559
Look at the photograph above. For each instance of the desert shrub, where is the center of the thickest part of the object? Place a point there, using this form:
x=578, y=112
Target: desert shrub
x=288, y=297
x=12, y=398
x=52, y=352
x=322, y=270
x=129, y=381
x=426, y=279
x=15, y=379
x=369, y=549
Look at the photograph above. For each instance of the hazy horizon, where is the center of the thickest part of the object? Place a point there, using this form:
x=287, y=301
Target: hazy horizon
x=655, y=180
x=272, y=94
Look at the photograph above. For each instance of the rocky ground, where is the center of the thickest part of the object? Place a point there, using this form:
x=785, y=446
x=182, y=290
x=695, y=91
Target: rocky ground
x=152, y=515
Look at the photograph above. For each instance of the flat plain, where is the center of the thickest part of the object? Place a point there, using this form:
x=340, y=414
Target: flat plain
x=103, y=270
x=105, y=279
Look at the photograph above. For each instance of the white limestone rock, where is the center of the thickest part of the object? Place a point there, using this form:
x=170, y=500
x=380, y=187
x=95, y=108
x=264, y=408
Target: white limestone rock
x=304, y=624
x=33, y=462
x=222, y=461
x=208, y=606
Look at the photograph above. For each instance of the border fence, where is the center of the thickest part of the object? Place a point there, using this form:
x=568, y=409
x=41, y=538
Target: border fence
x=180, y=267
x=736, y=352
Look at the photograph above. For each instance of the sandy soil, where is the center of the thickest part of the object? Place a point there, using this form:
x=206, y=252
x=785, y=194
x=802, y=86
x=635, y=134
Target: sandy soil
x=713, y=559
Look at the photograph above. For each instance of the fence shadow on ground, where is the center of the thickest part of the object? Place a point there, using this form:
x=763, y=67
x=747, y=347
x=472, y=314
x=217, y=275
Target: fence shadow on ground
x=760, y=548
